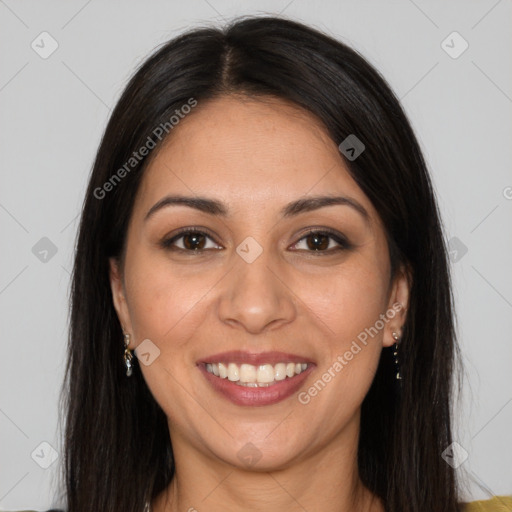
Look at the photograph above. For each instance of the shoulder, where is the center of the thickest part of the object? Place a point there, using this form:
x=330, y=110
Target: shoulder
x=496, y=504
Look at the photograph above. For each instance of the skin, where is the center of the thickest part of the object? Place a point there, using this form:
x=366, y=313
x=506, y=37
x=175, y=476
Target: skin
x=257, y=156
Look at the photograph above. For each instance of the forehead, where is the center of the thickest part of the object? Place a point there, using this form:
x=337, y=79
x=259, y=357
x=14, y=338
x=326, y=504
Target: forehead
x=248, y=151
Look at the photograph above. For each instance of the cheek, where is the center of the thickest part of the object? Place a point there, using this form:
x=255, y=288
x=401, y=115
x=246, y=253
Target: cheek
x=165, y=304
x=349, y=300
x=348, y=304
x=168, y=308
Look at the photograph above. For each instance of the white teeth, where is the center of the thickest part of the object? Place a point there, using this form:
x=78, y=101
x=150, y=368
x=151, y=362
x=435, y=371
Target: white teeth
x=223, y=371
x=252, y=376
x=265, y=373
x=280, y=371
x=248, y=373
x=233, y=372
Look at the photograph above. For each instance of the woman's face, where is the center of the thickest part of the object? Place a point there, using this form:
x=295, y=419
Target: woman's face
x=255, y=291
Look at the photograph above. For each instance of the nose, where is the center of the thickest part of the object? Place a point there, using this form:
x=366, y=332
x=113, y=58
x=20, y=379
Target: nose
x=256, y=297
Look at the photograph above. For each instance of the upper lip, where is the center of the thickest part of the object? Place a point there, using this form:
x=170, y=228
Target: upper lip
x=256, y=359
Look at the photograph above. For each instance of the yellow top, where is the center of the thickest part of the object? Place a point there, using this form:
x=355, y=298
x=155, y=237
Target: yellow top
x=496, y=504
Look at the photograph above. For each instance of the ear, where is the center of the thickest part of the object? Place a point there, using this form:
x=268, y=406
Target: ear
x=398, y=305
x=119, y=296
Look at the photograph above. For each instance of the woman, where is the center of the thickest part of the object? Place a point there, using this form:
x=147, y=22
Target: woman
x=262, y=315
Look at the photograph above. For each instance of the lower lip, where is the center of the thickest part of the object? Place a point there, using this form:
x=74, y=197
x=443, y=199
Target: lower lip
x=257, y=396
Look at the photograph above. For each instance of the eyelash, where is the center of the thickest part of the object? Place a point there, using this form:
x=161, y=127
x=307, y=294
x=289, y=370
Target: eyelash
x=342, y=242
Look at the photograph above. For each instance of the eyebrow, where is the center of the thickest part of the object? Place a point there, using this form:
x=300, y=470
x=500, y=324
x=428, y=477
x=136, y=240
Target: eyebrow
x=214, y=207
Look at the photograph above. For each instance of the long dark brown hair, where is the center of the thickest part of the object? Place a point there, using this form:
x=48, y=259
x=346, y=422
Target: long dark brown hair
x=118, y=452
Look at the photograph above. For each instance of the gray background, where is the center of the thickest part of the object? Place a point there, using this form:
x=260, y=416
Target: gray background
x=54, y=111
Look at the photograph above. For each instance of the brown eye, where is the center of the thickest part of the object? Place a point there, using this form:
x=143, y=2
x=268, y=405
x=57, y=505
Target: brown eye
x=323, y=242
x=317, y=241
x=189, y=241
x=194, y=241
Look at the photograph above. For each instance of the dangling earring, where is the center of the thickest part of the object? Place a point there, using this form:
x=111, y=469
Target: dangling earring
x=395, y=355
x=128, y=357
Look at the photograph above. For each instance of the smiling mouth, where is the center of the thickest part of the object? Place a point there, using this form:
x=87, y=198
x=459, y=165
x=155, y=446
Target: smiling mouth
x=263, y=375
